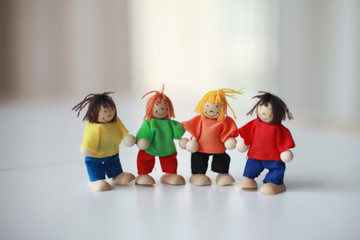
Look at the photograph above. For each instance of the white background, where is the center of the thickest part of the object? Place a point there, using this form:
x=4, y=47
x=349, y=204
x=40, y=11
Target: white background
x=53, y=53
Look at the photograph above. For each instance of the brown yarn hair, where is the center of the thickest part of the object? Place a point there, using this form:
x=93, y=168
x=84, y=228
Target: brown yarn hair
x=157, y=98
x=95, y=102
x=279, y=109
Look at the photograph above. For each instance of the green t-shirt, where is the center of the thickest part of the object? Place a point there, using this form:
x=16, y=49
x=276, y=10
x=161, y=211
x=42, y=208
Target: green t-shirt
x=160, y=133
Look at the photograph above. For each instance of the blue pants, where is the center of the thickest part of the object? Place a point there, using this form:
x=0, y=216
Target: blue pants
x=98, y=167
x=254, y=167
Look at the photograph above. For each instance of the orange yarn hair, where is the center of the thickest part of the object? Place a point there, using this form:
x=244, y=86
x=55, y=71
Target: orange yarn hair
x=157, y=98
x=218, y=97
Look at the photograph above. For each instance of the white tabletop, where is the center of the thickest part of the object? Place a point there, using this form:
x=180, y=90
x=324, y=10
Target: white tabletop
x=44, y=194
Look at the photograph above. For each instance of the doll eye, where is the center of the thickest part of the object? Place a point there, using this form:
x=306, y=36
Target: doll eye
x=217, y=106
x=157, y=104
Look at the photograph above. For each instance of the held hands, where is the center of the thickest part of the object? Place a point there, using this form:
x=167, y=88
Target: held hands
x=190, y=145
x=142, y=144
x=241, y=147
x=230, y=143
x=183, y=142
x=85, y=152
x=286, y=156
x=129, y=140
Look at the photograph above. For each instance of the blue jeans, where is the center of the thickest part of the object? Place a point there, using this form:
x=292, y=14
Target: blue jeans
x=254, y=167
x=98, y=167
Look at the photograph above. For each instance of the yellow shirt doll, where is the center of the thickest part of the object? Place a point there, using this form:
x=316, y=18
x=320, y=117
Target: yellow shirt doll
x=103, y=133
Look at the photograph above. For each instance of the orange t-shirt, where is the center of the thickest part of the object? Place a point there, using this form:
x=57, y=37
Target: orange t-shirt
x=211, y=134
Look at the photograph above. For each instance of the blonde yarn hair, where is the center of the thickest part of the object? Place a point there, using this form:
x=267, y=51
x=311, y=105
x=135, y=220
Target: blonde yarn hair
x=218, y=97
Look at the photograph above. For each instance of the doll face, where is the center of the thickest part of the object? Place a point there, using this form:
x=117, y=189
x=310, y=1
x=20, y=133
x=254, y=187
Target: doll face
x=265, y=113
x=212, y=110
x=160, y=110
x=106, y=114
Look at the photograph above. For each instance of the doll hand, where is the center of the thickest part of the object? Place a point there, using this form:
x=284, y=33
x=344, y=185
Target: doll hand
x=85, y=151
x=230, y=143
x=142, y=144
x=129, y=140
x=183, y=142
x=192, y=146
x=241, y=147
x=286, y=156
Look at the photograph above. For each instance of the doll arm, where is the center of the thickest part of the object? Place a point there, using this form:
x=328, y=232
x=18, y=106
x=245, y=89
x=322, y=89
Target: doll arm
x=178, y=132
x=241, y=147
x=144, y=136
x=230, y=143
x=229, y=133
x=192, y=146
x=246, y=133
x=129, y=140
x=90, y=143
x=177, y=129
x=86, y=152
x=193, y=126
x=142, y=144
x=183, y=142
x=286, y=156
x=285, y=142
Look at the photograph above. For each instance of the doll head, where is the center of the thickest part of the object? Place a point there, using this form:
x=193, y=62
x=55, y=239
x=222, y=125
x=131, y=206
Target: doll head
x=270, y=109
x=101, y=108
x=159, y=106
x=214, y=104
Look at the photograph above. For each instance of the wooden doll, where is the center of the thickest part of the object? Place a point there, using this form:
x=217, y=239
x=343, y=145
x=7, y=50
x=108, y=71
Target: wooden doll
x=214, y=132
x=156, y=138
x=102, y=135
x=268, y=142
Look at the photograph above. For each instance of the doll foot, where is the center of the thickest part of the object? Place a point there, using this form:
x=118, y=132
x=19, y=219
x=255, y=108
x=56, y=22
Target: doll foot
x=248, y=183
x=99, y=185
x=123, y=178
x=173, y=179
x=145, y=180
x=200, y=180
x=224, y=179
x=271, y=189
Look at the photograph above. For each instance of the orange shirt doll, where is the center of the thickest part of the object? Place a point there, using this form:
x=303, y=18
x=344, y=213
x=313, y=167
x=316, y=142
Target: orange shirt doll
x=214, y=132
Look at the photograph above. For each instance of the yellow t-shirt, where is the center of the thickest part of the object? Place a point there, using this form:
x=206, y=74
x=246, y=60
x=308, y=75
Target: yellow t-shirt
x=103, y=139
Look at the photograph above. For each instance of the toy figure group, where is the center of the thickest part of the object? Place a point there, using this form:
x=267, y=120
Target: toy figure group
x=213, y=132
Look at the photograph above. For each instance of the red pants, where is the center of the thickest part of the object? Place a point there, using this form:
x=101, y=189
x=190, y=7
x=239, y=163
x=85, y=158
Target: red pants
x=146, y=162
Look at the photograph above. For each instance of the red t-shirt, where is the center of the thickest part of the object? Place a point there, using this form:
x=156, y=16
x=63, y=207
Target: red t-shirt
x=266, y=141
x=211, y=134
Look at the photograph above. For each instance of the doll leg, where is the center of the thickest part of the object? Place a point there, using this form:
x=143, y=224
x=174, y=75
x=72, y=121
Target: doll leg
x=95, y=168
x=169, y=163
x=253, y=168
x=274, y=179
x=113, y=166
x=276, y=172
x=145, y=164
x=199, y=165
x=220, y=164
x=96, y=172
x=115, y=172
x=199, y=162
x=169, y=166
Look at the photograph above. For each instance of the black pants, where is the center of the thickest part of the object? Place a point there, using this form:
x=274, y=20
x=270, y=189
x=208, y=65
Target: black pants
x=199, y=162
